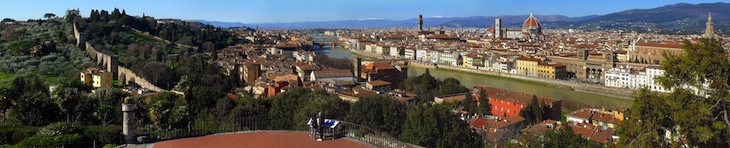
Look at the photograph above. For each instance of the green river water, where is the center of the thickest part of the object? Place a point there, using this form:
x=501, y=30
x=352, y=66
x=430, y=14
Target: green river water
x=472, y=79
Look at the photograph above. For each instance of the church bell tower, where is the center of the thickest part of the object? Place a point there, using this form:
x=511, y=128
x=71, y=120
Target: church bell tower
x=710, y=30
x=420, y=22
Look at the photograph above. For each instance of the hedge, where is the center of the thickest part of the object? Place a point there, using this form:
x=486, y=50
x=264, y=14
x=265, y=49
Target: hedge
x=87, y=134
x=42, y=140
x=13, y=135
x=104, y=134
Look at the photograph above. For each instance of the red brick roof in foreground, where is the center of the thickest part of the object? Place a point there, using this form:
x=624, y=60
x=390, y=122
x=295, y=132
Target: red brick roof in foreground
x=259, y=140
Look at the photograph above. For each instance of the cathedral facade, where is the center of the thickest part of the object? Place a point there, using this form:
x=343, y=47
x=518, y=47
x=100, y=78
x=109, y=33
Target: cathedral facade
x=531, y=30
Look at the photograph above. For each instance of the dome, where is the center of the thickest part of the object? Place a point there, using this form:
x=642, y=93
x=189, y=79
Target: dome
x=531, y=22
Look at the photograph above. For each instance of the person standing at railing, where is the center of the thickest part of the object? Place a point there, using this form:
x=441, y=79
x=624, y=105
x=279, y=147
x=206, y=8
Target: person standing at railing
x=313, y=124
x=320, y=121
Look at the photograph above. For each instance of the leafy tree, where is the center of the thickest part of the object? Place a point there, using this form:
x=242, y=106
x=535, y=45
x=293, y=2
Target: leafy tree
x=283, y=107
x=66, y=99
x=6, y=101
x=74, y=83
x=159, y=73
x=247, y=109
x=49, y=15
x=532, y=112
x=5, y=20
x=168, y=108
x=565, y=137
x=331, y=107
x=451, y=86
x=435, y=126
x=232, y=80
x=116, y=14
x=703, y=119
x=203, y=97
x=469, y=104
x=85, y=110
x=109, y=99
x=484, y=107
x=380, y=112
x=653, y=111
x=160, y=111
x=36, y=109
x=20, y=47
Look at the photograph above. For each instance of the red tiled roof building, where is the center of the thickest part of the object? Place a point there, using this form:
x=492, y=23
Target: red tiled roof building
x=506, y=102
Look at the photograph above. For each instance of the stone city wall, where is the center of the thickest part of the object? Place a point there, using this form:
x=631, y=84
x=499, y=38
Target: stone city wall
x=110, y=63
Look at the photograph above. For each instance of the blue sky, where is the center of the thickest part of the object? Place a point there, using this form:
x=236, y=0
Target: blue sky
x=257, y=11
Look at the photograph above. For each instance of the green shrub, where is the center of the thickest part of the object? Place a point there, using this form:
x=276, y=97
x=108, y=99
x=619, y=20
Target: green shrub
x=60, y=128
x=42, y=140
x=104, y=134
x=13, y=135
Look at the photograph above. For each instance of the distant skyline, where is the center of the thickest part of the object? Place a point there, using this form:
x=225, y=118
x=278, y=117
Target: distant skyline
x=261, y=11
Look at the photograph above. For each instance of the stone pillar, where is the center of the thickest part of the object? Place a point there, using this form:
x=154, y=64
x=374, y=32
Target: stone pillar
x=129, y=121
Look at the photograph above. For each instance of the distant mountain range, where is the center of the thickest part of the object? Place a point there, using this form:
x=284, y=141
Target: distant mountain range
x=677, y=16
x=451, y=22
x=681, y=16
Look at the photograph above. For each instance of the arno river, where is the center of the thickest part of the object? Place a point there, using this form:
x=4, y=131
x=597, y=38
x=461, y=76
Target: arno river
x=471, y=79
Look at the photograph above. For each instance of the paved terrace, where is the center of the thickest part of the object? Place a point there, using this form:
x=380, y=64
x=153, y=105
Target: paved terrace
x=259, y=139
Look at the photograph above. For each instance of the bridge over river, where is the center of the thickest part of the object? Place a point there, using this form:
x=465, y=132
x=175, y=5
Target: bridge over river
x=322, y=40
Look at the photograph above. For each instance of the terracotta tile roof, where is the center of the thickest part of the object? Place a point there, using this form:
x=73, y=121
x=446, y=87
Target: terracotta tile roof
x=584, y=129
x=605, y=117
x=513, y=96
x=584, y=113
x=332, y=73
x=603, y=136
x=529, y=59
x=593, y=133
x=586, y=46
x=285, y=46
x=661, y=45
x=374, y=67
x=495, y=122
x=441, y=36
x=473, y=55
x=405, y=97
x=542, y=127
x=379, y=83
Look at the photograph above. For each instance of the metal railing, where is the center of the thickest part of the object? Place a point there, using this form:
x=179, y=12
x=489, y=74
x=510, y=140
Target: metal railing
x=343, y=130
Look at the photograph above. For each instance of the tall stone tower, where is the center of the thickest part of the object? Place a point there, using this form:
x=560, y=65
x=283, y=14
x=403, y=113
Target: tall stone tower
x=357, y=68
x=420, y=22
x=710, y=30
x=128, y=122
x=497, y=28
x=113, y=66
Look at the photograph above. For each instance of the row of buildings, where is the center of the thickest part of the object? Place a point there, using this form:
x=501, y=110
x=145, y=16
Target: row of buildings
x=553, y=54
